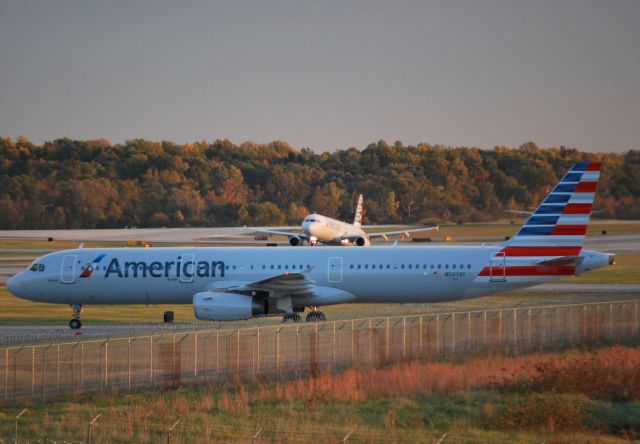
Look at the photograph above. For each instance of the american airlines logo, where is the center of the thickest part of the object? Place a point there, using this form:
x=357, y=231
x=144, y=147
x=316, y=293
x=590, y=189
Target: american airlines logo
x=166, y=269
x=89, y=269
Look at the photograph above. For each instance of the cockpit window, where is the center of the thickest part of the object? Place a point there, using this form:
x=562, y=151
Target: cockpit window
x=34, y=267
x=40, y=267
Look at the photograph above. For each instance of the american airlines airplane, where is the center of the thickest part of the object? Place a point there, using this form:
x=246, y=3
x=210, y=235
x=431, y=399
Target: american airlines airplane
x=318, y=228
x=239, y=283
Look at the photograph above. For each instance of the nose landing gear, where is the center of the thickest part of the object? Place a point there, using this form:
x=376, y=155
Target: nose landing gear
x=75, y=323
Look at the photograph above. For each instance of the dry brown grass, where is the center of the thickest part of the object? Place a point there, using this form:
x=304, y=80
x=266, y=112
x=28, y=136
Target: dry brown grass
x=611, y=373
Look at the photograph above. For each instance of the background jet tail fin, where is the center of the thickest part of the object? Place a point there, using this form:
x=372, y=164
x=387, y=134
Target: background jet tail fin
x=357, y=221
x=559, y=224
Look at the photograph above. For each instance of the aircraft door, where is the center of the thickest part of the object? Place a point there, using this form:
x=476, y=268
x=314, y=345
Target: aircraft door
x=188, y=268
x=497, y=267
x=68, y=270
x=334, y=269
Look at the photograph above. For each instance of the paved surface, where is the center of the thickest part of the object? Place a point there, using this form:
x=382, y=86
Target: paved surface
x=586, y=288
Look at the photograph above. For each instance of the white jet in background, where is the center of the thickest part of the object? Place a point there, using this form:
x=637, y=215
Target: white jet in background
x=318, y=228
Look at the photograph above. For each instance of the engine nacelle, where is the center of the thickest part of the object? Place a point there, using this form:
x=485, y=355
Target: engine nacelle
x=594, y=259
x=221, y=306
x=362, y=241
x=294, y=241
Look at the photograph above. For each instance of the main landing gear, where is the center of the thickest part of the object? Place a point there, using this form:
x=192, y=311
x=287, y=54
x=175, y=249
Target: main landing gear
x=75, y=323
x=313, y=316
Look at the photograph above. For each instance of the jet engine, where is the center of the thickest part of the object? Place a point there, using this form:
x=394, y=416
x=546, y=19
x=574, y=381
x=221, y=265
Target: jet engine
x=294, y=241
x=590, y=260
x=221, y=306
x=362, y=241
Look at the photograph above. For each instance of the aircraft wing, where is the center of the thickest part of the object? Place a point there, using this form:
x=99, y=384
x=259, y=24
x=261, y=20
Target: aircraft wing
x=280, y=233
x=285, y=284
x=403, y=233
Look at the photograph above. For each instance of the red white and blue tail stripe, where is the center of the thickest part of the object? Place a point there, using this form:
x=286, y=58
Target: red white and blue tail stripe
x=559, y=224
x=551, y=240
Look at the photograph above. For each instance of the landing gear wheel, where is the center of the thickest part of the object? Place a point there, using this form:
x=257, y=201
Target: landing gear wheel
x=75, y=322
x=315, y=316
x=291, y=317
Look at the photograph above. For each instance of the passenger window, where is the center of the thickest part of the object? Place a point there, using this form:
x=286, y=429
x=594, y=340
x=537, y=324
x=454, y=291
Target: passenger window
x=366, y=266
x=468, y=266
x=234, y=267
x=410, y=266
x=279, y=267
x=439, y=266
x=264, y=267
x=388, y=266
x=359, y=266
x=373, y=267
x=454, y=266
x=446, y=266
x=272, y=267
x=402, y=266
x=432, y=266
x=286, y=267
x=351, y=266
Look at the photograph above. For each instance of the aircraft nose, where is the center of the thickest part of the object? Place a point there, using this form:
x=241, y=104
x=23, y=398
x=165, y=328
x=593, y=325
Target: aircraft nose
x=14, y=285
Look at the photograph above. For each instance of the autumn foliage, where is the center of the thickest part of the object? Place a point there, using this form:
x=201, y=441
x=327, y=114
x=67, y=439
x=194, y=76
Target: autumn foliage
x=94, y=184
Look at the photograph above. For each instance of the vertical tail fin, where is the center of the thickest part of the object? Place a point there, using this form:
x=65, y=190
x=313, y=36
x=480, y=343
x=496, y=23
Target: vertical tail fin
x=559, y=224
x=357, y=220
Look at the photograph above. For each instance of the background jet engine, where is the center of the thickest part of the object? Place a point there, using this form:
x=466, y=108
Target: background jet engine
x=294, y=241
x=362, y=241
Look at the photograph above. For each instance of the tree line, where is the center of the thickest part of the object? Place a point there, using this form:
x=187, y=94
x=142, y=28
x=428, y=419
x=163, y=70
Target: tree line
x=95, y=184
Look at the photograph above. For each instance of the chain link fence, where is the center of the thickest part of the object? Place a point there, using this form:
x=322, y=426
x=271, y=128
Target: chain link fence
x=53, y=371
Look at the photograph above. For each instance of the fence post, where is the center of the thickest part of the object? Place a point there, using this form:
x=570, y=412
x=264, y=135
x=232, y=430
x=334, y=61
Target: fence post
x=420, y=332
x=469, y=331
x=278, y=351
x=515, y=328
x=352, y=345
x=334, y=344
x=106, y=363
x=217, y=354
x=44, y=366
x=258, y=350
x=529, y=326
x=195, y=355
x=484, y=334
x=370, y=341
x=129, y=364
x=453, y=332
x=6, y=373
x=297, y=350
x=610, y=321
x=500, y=327
x=90, y=429
x=82, y=366
x=386, y=342
x=171, y=430
x=15, y=427
x=238, y=352
x=635, y=320
x=151, y=372
x=58, y=368
x=404, y=337
x=438, y=333
x=33, y=370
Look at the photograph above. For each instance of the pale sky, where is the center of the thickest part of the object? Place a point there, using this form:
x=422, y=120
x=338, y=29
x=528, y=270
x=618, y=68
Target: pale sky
x=324, y=74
